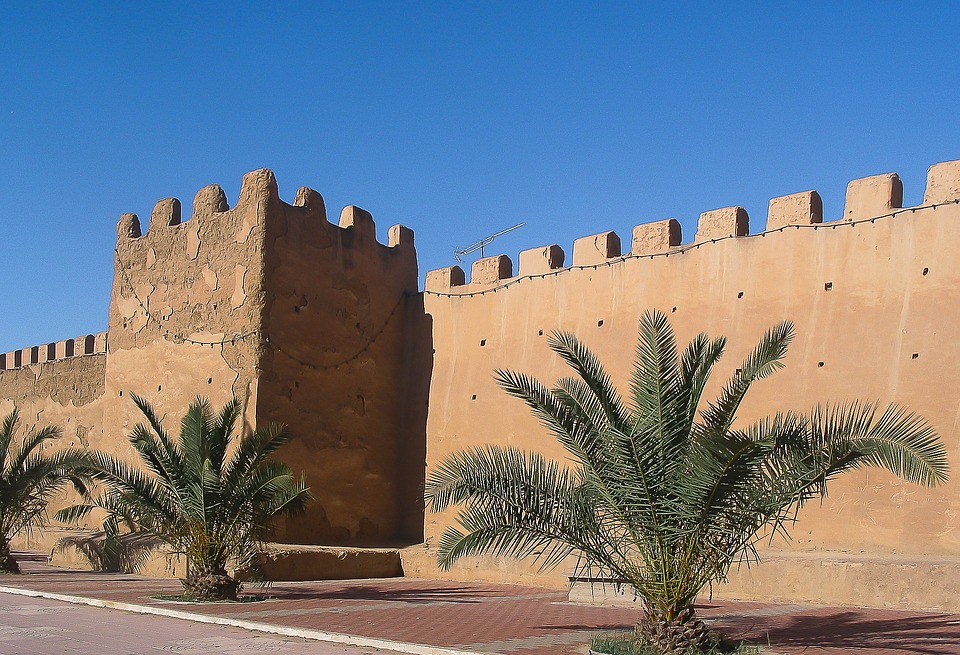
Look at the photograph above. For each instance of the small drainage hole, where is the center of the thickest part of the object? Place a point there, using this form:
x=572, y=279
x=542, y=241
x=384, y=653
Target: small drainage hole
x=915, y=356
x=600, y=323
x=473, y=397
x=819, y=364
x=740, y=295
x=925, y=271
x=483, y=342
x=827, y=286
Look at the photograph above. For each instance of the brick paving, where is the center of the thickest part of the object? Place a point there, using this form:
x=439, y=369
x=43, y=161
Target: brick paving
x=506, y=619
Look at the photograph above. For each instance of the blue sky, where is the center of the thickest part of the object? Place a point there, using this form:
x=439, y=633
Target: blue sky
x=456, y=119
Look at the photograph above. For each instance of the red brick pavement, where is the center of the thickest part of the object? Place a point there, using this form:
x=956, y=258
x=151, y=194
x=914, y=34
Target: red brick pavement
x=487, y=618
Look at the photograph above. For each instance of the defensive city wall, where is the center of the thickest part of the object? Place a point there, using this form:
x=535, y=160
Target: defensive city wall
x=320, y=326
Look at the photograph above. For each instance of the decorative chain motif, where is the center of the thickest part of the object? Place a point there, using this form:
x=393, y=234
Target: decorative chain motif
x=181, y=338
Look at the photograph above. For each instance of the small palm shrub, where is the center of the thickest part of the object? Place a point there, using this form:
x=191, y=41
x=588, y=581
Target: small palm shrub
x=206, y=495
x=30, y=478
x=664, y=491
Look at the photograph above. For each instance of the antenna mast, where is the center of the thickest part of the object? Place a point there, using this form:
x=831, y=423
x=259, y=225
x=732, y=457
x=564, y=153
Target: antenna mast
x=482, y=243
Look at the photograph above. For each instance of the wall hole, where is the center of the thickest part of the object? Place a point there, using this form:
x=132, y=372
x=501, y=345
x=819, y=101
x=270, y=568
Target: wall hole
x=473, y=397
x=925, y=270
x=673, y=310
x=158, y=387
x=483, y=342
x=209, y=380
x=121, y=393
x=540, y=333
x=819, y=364
x=915, y=356
x=600, y=323
x=827, y=286
x=739, y=371
x=740, y=295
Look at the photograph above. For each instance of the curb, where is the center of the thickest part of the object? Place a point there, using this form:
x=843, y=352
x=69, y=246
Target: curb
x=303, y=633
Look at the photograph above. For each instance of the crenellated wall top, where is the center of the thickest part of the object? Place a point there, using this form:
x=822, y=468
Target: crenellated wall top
x=258, y=192
x=867, y=199
x=87, y=344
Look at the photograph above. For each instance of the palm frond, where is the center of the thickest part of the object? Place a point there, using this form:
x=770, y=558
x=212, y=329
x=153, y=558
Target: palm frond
x=7, y=430
x=764, y=360
x=591, y=371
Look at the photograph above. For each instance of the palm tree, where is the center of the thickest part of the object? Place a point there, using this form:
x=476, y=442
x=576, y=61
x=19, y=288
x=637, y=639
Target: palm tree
x=30, y=478
x=664, y=491
x=203, y=501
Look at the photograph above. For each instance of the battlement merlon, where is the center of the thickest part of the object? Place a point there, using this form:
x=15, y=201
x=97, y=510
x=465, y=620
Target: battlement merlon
x=88, y=344
x=866, y=198
x=258, y=192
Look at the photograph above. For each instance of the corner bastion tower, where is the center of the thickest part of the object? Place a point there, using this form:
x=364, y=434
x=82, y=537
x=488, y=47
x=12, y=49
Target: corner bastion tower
x=309, y=323
x=323, y=328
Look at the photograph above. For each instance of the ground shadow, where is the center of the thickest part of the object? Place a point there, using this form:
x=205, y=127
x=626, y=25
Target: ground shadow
x=856, y=630
x=369, y=592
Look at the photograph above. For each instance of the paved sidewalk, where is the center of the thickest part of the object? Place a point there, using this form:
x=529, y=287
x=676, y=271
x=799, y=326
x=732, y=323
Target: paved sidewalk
x=434, y=617
x=39, y=626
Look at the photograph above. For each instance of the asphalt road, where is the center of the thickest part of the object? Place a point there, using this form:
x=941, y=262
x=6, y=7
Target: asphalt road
x=34, y=626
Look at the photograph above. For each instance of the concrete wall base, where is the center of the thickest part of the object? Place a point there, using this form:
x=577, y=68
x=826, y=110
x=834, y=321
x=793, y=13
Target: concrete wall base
x=897, y=582
x=291, y=562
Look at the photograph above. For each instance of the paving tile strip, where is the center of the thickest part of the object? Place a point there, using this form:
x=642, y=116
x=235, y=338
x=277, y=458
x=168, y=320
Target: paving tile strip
x=449, y=618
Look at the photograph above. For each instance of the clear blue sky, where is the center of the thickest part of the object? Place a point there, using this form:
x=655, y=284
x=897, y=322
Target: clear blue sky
x=456, y=119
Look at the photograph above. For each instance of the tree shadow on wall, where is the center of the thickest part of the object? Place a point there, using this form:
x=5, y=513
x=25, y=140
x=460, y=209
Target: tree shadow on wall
x=110, y=551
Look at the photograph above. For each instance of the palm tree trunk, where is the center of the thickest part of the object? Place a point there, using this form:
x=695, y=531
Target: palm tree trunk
x=675, y=630
x=7, y=563
x=210, y=584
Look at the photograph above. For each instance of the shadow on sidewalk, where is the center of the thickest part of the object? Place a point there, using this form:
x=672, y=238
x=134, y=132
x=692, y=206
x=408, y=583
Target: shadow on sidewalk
x=853, y=630
x=372, y=592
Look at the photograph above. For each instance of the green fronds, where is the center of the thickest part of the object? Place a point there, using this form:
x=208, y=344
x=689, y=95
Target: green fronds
x=513, y=504
x=591, y=371
x=208, y=494
x=765, y=359
x=654, y=494
x=30, y=477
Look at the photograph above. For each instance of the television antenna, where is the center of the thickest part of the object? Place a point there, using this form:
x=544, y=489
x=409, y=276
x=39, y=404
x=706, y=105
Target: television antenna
x=482, y=243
